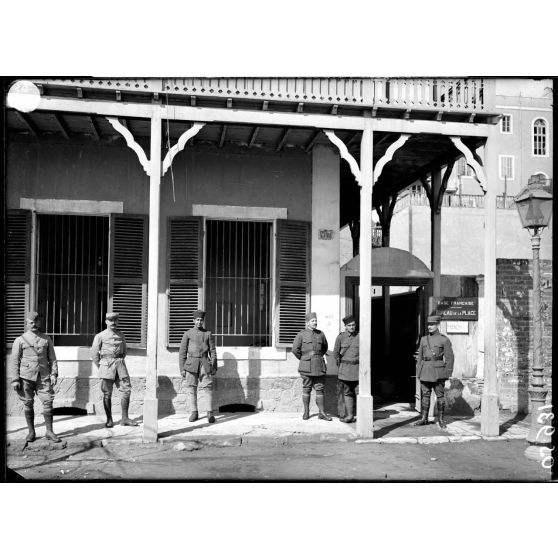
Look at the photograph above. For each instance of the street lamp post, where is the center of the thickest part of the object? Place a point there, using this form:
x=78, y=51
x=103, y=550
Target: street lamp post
x=534, y=204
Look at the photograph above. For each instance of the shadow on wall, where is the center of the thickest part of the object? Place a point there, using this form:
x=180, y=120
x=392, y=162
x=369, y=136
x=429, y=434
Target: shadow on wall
x=230, y=388
x=514, y=283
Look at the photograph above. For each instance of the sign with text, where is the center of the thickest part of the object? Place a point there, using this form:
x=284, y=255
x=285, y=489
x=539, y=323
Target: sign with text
x=457, y=327
x=458, y=308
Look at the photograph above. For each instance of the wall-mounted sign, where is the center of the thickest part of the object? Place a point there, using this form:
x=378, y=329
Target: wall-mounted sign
x=325, y=234
x=457, y=327
x=458, y=308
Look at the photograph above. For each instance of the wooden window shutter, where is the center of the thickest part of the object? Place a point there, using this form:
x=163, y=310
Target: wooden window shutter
x=128, y=277
x=293, y=279
x=185, y=274
x=18, y=272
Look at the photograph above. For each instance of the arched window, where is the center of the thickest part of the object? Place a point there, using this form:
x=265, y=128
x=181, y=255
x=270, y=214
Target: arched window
x=539, y=137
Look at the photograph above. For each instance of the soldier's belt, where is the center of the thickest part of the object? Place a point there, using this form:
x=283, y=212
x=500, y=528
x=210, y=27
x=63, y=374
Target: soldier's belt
x=349, y=361
x=31, y=358
x=433, y=358
x=197, y=356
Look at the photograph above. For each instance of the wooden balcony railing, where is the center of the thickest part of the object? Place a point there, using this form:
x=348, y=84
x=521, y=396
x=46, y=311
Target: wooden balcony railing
x=441, y=94
x=452, y=200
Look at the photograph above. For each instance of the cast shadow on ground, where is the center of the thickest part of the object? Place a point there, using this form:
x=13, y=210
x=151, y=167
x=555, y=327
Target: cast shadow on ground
x=94, y=427
x=381, y=432
x=519, y=416
x=201, y=424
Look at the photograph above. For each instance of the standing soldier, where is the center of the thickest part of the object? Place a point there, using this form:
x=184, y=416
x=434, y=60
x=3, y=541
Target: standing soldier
x=434, y=367
x=35, y=371
x=108, y=353
x=346, y=352
x=197, y=359
x=310, y=346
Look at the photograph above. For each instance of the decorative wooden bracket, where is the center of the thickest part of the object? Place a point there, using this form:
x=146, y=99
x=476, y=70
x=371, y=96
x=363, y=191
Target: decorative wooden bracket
x=344, y=152
x=444, y=185
x=179, y=145
x=472, y=160
x=388, y=155
x=131, y=143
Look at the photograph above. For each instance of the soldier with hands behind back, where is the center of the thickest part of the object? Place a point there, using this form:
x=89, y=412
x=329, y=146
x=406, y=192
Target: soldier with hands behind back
x=346, y=354
x=310, y=346
x=34, y=370
x=197, y=360
x=108, y=353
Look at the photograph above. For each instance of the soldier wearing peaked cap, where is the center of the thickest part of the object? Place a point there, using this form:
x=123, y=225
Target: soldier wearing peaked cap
x=34, y=370
x=197, y=360
x=434, y=367
x=346, y=354
x=108, y=353
x=310, y=346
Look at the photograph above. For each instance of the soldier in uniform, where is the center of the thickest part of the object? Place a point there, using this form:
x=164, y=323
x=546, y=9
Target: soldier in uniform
x=34, y=370
x=108, y=353
x=346, y=352
x=434, y=367
x=310, y=346
x=197, y=359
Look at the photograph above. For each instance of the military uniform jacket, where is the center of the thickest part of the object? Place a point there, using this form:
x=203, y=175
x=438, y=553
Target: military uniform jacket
x=197, y=349
x=310, y=346
x=346, y=352
x=435, y=358
x=108, y=352
x=33, y=357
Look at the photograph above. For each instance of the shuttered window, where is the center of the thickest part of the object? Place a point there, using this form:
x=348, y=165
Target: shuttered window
x=293, y=279
x=18, y=247
x=185, y=269
x=128, y=282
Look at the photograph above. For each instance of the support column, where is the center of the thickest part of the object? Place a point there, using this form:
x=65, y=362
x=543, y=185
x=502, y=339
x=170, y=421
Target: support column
x=150, y=404
x=490, y=420
x=365, y=418
x=436, y=236
x=325, y=241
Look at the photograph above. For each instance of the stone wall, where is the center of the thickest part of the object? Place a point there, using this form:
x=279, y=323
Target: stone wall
x=514, y=323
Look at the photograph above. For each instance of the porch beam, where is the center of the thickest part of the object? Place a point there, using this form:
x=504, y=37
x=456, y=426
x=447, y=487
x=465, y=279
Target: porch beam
x=264, y=118
x=28, y=123
x=61, y=126
x=282, y=140
x=312, y=141
x=253, y=136
x=150, y=404
x=94, y=128
x=222, y=136
x=365, y=417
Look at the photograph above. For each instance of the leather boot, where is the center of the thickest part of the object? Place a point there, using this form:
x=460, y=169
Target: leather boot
x=107, y=404
x=125, y=404
x=30, y=419
x=425, y=406
x=350, y=406
x=50, y=435
x=193, y=416
x=306, y=404
x=210, y=417
x=320, y=402
x=441, y=408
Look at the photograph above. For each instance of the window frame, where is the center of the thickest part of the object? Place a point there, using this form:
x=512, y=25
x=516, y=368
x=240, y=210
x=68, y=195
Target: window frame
x=500, y=175
x=502, y=131
x=546, y=137
x=273, y=272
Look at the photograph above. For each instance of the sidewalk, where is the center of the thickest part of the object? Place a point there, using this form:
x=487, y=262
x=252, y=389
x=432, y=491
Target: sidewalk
x=392, y=425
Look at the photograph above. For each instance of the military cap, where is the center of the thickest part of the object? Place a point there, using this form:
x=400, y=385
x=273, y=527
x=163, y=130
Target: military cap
x=311, y=316
x=112, y=316
x=349, y=319
x=434, y=319
x=32, y=316
x=199, y=314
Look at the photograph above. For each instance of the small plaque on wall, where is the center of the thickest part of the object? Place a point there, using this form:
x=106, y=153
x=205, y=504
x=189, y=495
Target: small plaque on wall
x=457, y=327
x=325, y=234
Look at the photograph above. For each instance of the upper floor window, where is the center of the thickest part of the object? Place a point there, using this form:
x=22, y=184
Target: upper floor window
x=506, y=124
x=463, y=169
x=506, y=167
x=539, y=137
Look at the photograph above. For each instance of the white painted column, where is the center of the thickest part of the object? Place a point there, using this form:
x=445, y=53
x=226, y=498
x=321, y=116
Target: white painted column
x=325, y=295
x=490, y=420
x=150, y=404
x=365, y=418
